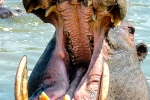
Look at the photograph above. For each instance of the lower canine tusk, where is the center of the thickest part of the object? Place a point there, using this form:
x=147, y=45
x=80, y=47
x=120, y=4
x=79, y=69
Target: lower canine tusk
x=21, y=92
x=49, y=10
x=104, y=83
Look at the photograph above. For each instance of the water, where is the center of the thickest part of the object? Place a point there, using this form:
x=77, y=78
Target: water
x=27, y=35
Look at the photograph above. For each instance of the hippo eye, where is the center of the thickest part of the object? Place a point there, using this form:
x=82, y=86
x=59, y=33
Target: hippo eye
x=131, y=30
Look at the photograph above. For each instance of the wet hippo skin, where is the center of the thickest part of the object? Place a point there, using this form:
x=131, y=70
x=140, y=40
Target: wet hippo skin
x=8, y=13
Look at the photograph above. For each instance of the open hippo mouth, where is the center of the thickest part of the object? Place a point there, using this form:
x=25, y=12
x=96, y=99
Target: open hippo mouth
x=80, y=29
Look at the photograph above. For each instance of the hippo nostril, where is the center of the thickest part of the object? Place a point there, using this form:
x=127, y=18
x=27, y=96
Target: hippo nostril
x=142, y=49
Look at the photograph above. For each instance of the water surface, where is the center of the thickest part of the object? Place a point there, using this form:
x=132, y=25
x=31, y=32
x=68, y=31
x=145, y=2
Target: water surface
x=28, y=35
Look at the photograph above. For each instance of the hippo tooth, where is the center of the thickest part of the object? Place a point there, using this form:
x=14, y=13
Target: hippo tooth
x=104, y=83
x=112, y=18
x=93, y=15
x=117, y=22
x=21, y=92
x=117, y=18
x=43, y=96
x=49, y=10
x=89, y=2
x=37, y=7
x=66, y=97
x=31, y=7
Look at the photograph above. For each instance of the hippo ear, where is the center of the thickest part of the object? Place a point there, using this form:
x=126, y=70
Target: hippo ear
x=142, y=51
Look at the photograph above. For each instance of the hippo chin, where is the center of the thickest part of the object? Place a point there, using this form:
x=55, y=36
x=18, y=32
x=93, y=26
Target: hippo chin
x=122, y=56
x=8, y=13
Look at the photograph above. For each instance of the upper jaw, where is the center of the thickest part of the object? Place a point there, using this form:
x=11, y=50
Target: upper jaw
x=116, y=10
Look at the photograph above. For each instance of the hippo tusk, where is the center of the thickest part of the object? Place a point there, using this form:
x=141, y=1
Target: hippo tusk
x=37, y=7
x=115, y=17
x=89, y=3
x=49, y=10
x=66, y=97
x=112, y=17
x=21, y=92
x=32, y=7
x=43, y=96
x=104, y=83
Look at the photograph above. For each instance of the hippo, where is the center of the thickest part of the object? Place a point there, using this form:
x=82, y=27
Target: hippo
x=72, y=62
x=125, y=80
x=8, y=13
x=122, y=77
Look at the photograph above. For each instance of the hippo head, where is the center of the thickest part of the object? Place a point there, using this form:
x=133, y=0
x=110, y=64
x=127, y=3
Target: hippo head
x=122, y=60
x=102, y=14
x=120, y=40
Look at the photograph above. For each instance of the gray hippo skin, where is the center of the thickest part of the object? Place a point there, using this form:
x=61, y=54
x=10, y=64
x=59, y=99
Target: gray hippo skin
x=126, y=80
x=8, y=13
